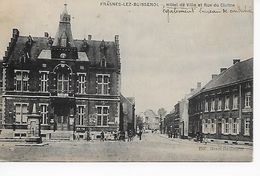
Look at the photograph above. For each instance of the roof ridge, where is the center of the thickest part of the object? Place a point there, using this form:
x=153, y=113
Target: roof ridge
x=226, y=72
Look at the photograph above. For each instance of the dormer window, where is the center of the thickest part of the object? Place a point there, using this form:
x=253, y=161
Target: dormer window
x=63, y=42
x=103, y=62
x=248, y=100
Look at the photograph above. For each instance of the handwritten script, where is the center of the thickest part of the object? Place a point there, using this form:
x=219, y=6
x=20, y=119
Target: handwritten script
x=174, y=8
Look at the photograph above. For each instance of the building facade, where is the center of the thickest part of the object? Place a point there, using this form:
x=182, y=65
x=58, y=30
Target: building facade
x=75, y=84
x=223, y=109
x=150, y=120
x=168, y=123
x=184, y=116
x=127, y=114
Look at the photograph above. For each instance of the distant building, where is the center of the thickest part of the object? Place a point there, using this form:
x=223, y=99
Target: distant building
x=127, y=114
x=151, y=121
x=223, y=109
x=176, y=119
x=168, y=123
x=184, y=116
x=72, y=82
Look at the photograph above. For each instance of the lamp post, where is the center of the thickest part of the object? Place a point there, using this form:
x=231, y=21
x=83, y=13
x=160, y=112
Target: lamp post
x=72, y=124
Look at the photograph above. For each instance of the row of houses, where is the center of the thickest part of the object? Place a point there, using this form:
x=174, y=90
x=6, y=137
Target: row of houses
x=177, y=121
x=222, y=109
x=149, y=120
x=69, y=81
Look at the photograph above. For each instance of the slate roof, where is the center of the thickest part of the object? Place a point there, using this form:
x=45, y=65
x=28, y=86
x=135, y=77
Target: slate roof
x=238, y=72
x=90, y=47
x=131, y=100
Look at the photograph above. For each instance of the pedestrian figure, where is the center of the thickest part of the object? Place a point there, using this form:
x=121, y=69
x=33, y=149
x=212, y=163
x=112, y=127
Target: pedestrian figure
x=198, y=136
x=129, y=136
x=115, y=135
x=126, y=136
x=102, y=136
x=201, y=137
x=88, y=136
x=77, y=136
x=55, y=126
x=140, y=135
x=205, y=139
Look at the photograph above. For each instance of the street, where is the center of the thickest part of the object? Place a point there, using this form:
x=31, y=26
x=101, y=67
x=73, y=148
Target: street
x=152, y=147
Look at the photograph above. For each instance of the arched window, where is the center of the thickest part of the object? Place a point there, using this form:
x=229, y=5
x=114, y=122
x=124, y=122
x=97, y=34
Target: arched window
x=63, y=72
x=63, y=83
x=103, y=62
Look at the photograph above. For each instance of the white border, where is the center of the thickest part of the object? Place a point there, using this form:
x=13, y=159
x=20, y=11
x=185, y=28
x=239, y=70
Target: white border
x=133, y=169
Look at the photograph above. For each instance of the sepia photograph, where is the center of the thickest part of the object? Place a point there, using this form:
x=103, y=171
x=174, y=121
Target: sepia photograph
x=126, y=81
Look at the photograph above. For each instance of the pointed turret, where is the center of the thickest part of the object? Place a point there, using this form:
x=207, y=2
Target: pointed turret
x=63, y=36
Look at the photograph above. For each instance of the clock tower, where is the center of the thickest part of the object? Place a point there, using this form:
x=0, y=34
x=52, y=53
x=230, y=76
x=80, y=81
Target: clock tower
x=63, y=46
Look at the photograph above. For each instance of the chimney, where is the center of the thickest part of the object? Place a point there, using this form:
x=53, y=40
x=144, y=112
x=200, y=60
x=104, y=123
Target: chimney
x=46, y=34
x=89, y=37
x=222, y=69
x=236, y=61
x=15, y=33
x=198, y=85
x=214, y=76
x=117, y=39
x=191, y=90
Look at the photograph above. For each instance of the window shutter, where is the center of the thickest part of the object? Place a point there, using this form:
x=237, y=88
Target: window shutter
x=96, y=84
x=15, y=82
x=25, y=113
x=215, y=125
x=203, y=126
x=230, y=121
x=47, y=81
x=86, y=86
x=78, y=77
x=223, y=126
x=18, y=113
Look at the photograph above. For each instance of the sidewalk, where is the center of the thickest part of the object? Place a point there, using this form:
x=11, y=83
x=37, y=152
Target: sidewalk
x=211, y=141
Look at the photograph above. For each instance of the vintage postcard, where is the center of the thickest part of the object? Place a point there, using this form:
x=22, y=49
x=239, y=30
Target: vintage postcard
x=126, y=80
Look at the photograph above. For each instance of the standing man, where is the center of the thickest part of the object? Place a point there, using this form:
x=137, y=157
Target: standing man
x=140, y=135
x=102, y=135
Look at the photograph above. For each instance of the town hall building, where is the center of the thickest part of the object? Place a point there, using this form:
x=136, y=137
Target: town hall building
x=75, y=84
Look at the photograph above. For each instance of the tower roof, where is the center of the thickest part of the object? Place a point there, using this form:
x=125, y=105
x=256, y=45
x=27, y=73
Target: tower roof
x=63, y=36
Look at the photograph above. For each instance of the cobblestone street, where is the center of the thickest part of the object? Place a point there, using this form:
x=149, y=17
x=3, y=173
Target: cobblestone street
x=153, y=147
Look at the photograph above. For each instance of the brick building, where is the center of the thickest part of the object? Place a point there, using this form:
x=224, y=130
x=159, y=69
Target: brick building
x=223, y=109
x=176, y=119
x=184, y=107
x=127, y=114
x=74, y=83
x=168, y=123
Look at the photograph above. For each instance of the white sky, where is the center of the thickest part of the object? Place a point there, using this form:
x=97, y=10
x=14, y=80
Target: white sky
x=161, y=61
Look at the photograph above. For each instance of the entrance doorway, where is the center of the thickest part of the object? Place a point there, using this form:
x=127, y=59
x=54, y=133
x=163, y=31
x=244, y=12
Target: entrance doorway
x=63, y=108
x=219, y=129
x=62, y=123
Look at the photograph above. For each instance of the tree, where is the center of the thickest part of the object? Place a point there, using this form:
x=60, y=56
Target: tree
x=161, y=112
x=139, y=122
